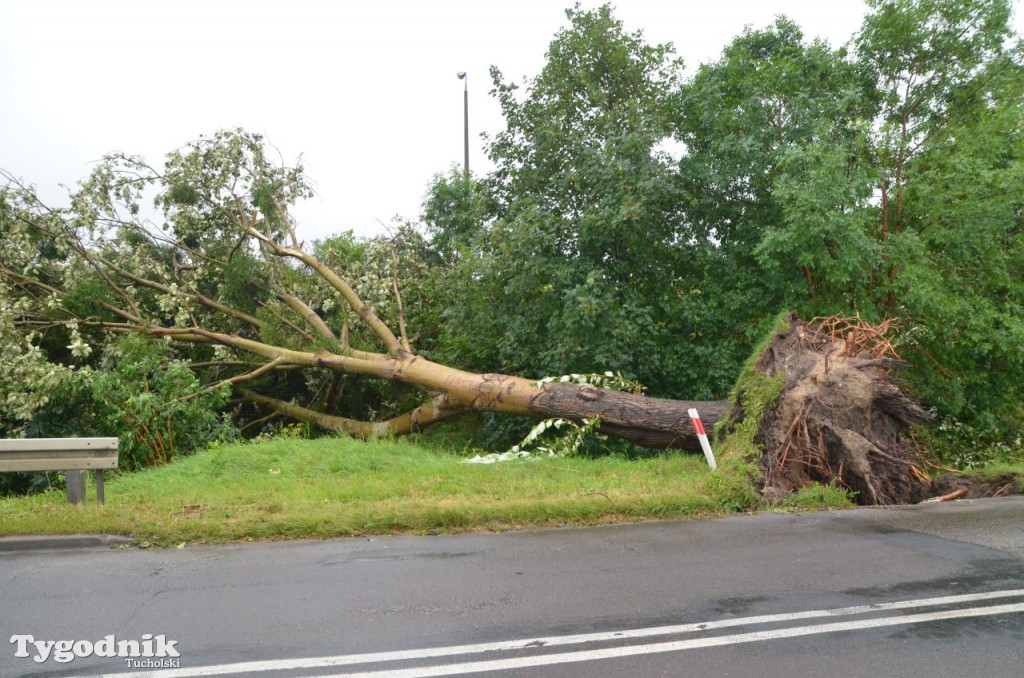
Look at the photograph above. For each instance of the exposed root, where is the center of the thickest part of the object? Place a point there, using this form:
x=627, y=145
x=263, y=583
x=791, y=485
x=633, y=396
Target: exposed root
x=955, y=494
x=857, y=335
x=842, y=419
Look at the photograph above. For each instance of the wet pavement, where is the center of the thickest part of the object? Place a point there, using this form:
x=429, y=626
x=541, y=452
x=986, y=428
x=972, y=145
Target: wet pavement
x=284, y=603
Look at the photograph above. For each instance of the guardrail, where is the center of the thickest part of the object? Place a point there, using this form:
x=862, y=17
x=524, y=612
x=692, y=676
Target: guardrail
x=74, y=456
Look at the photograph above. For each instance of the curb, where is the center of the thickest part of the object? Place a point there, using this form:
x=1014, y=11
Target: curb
x=57, y=542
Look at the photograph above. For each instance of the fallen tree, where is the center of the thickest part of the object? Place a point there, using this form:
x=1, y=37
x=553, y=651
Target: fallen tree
x=219, y=267
x=222, y=210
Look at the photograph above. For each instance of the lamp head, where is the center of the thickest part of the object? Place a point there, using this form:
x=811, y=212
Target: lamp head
x=462, y=75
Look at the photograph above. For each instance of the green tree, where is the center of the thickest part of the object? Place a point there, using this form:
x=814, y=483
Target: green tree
x=455, y=212
x=885, y=181
x=934, y=63
x=580, y=261
x=948, y=142
x=774, y=138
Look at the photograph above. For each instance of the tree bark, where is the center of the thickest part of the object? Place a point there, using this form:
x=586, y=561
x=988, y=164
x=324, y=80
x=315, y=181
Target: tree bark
x=649, y=422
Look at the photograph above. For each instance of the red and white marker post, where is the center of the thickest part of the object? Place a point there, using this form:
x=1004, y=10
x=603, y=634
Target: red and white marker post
x=702, y=436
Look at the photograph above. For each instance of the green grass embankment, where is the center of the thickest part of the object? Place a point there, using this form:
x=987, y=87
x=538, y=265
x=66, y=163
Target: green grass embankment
x=293, y=489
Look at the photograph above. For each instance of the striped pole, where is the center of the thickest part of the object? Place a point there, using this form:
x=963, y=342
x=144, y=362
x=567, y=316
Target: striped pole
x=702, y=435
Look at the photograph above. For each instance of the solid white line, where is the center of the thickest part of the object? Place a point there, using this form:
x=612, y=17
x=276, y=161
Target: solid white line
x=425, y=653
x=634, y=650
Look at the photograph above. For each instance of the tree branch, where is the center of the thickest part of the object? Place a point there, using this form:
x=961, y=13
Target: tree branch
x=248, y=376
x=123, y=313
x=435, y=410
x=308, y=314
x=378, y=366
x=25, y=280
x=398, y=299
x=223, y=363
x=298, y=330
x=201, y=298
x=261, y=420
x=391, y=343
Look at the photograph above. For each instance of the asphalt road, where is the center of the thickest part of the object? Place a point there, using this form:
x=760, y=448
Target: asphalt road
x=932, y=590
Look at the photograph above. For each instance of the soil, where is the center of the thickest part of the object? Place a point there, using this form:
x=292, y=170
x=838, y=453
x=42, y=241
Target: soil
x=842, y=418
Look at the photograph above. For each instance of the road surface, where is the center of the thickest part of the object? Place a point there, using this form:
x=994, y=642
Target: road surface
x=934, y=590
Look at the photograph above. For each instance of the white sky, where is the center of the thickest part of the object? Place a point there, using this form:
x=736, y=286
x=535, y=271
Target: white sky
x=365, y=92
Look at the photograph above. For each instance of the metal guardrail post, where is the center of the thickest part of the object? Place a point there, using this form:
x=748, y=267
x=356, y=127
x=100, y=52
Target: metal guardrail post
x=75, y=486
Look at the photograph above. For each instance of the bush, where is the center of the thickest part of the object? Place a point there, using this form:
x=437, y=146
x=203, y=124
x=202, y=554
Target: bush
x=153, y=403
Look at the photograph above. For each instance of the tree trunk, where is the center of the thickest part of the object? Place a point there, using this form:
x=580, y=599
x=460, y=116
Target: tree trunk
x=649, y=422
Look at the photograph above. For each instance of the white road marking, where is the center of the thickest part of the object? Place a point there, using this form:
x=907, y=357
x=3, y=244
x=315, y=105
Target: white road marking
x=454, y=650
x=634, y=650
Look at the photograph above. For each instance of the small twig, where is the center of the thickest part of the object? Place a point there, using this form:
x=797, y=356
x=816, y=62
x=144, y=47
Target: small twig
x=942, y=468
x=919, y=474
x=885, y=455
x=955, y=494
x=935, y=362
x=248, y=376
x=398, y=299
x=295, y=328
x=224, y=363
x=261, y=420
x=788, y=440
x=332, y=392
x=170, y=438
x=857, y=335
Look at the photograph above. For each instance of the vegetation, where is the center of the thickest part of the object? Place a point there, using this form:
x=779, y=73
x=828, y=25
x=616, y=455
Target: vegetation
x=754, y=393
x=293, y=488
x=636, y=221
x=883, y=178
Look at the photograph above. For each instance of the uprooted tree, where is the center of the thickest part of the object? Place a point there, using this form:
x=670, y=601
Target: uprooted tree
x=219, y=272
x=825, y=408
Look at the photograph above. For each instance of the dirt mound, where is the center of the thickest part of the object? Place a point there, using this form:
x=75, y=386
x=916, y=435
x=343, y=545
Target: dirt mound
x=842, y=418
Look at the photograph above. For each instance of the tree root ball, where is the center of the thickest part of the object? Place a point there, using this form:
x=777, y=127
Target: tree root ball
x=843, y=419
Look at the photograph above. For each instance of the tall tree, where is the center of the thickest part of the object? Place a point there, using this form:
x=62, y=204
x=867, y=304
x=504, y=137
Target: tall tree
x=581, y=261
x=933, y=61
x=884, y=181
x=949, y=151
x=773, y=141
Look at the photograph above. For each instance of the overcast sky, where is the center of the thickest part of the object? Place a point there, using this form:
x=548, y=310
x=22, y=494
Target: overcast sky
x=365, y=92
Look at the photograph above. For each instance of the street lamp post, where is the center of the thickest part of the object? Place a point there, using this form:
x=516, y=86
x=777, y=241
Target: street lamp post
x=465, y=118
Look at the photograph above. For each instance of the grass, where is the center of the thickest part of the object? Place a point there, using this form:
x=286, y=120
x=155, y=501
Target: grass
x=754, y=392
x=819, y=497
x=999, y=468
x=291, y=489
x=333, y=487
